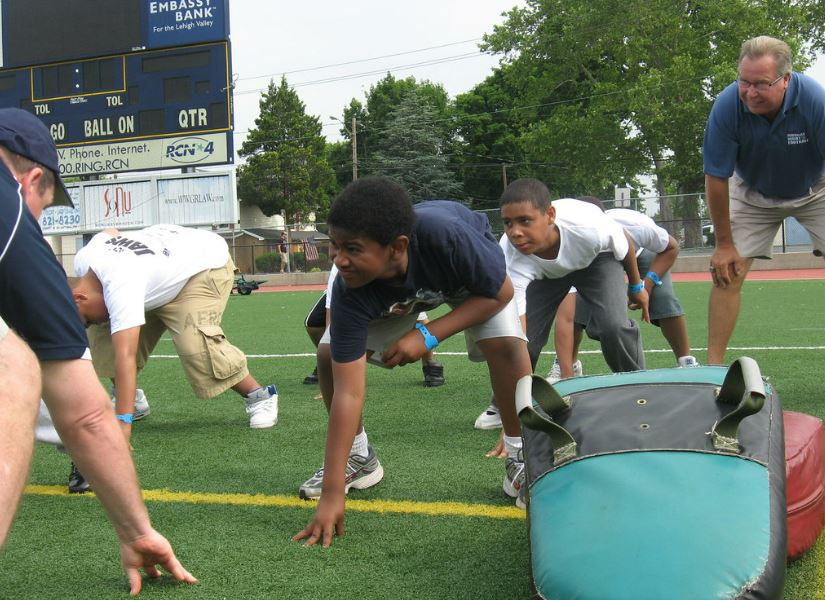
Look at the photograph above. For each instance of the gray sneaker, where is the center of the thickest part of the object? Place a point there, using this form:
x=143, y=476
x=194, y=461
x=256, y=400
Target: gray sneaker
x=514, y=480
x=362, y=473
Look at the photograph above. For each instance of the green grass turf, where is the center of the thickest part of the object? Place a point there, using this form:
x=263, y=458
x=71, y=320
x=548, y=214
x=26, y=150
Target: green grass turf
x=62, y=547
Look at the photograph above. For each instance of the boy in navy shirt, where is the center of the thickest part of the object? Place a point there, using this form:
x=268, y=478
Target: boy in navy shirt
x=395, y=261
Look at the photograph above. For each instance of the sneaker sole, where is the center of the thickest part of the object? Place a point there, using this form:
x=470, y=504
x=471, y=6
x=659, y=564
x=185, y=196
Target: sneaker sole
x=263, y=425
x=359, y=484
x=139, y=416
x=487, y=426
x=367, y=481
x=509, y=489
x=433, y=383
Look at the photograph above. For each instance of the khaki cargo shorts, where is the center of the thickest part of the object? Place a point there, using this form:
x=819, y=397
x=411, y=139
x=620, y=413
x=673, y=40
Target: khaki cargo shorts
x=211, y=363
x=755, y=219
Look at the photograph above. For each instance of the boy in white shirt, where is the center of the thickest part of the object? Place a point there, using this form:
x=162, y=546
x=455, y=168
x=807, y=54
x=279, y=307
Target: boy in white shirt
x=135, y=285
x=553, y=246
x=550, y=247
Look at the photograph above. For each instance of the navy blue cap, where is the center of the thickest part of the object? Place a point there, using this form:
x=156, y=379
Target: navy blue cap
x=24, y=134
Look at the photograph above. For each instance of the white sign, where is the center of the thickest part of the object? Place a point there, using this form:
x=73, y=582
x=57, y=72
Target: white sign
x=188, y=200
x=119, y=204
x=196, y=201
x=145, y=155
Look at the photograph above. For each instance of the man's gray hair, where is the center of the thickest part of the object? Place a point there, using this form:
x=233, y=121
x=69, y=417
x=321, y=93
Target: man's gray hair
x=765, y=45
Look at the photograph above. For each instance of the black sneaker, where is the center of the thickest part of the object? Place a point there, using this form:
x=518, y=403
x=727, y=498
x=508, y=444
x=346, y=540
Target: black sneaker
x=312, y=378
x=78, y=483
x=433, y=374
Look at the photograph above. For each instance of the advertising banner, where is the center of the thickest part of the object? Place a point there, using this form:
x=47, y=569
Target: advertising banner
x=144, y=155
x=182, y=22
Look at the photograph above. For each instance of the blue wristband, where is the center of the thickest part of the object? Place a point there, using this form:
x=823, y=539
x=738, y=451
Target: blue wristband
x=654, y=278
x=125, y=417
x=635, y=288
x=430, y=341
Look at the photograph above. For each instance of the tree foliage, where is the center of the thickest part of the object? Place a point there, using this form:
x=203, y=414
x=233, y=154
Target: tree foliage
x=411, y=150
x=610, y=89
x=286, y=165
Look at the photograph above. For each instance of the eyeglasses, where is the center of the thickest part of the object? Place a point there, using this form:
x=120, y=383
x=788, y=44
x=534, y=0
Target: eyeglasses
x=759, y=86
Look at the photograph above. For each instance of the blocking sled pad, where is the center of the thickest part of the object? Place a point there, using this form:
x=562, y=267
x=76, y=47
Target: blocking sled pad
x=655, y=484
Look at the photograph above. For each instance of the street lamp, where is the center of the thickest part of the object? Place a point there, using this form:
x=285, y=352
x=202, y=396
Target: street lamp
x=354, y=137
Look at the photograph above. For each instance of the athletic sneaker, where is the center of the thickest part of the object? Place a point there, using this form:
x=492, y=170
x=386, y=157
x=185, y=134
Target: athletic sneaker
x=688, y=361
x=489, y=419
x=141, y=410
x=312, y=378
x=555, y=371
x=362, y=473
x=78, y=483
x=433, y=374
x=514, y=480
x=262, y=407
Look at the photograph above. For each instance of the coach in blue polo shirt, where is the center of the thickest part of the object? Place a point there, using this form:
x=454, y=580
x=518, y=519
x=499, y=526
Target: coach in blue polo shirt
x=764, y=155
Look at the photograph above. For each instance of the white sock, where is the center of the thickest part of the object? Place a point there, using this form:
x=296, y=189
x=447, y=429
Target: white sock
x=360, y=445
x=262, y=393
x=513, y=445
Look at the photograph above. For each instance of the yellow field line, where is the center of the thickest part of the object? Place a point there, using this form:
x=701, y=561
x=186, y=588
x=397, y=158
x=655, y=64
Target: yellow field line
x=407, y=507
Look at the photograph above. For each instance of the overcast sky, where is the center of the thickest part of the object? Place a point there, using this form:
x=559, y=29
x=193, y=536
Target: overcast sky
x=310, y=41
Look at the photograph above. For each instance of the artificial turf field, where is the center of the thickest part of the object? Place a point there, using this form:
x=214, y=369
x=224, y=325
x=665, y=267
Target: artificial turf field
x=438, y=526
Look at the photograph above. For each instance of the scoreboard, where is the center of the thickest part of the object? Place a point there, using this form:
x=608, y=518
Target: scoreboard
x=129, y=84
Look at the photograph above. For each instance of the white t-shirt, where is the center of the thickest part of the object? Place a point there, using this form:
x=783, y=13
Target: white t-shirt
x=585, y=232
x=142, y=270
x=642, y=229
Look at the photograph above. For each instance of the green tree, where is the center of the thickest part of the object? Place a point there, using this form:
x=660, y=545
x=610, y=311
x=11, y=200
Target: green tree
x=286, y=165
x=616, y=88
x=411, y=151
x=373, y=117
x=488, y=131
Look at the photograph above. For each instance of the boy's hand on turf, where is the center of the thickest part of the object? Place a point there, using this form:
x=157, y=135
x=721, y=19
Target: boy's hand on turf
x=408, y=349
x=328, y=521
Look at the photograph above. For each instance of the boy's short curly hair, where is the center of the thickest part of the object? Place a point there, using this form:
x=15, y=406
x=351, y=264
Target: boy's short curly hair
x=375, y=207
x=529, y=190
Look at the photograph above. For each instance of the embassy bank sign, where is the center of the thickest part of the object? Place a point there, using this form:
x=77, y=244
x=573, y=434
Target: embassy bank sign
x=179, y=22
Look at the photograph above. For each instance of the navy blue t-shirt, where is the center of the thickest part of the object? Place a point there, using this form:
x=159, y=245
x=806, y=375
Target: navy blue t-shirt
x=452, y=255
x=782, y=158
x=35, y=298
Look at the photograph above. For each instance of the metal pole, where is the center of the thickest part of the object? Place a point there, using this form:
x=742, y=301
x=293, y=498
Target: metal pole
x=504, y=175
x=354, y=150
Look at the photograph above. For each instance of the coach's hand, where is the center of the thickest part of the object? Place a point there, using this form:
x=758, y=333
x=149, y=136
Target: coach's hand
x=725, y=265
x=147, y=552
x=328, y=521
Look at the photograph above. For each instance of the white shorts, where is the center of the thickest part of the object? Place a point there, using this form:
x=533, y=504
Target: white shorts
x=383, y=333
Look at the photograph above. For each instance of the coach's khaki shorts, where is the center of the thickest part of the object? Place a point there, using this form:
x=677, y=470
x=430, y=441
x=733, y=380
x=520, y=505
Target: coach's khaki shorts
x=383, y=333
x=212, y=364
x=755, y=218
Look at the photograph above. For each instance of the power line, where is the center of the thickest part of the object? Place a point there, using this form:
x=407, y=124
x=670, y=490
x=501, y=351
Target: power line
x=362, y=60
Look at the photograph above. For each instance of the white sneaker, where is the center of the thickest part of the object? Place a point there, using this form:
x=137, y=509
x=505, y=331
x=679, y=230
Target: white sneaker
x=554, y=374
x=262, y=407
x=141, y=410
x=688, y=361
x=489, y=419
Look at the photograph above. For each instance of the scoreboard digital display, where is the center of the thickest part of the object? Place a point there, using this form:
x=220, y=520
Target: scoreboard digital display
x=46, y=31
x=129, y=96
x=122, y=85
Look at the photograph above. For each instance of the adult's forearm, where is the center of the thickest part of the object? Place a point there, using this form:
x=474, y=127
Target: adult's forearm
x=716, y=190
x=85, y=421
